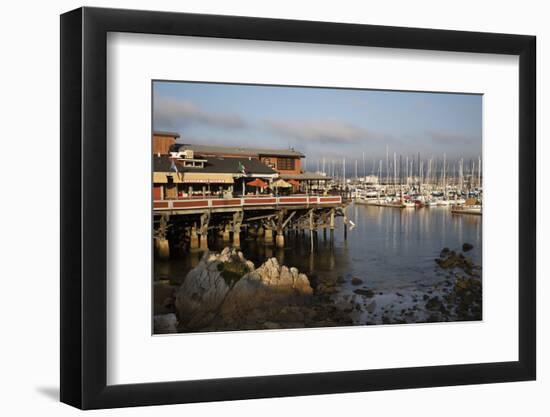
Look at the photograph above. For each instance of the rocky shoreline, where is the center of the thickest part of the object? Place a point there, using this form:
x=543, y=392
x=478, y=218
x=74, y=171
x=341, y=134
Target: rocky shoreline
x=227, y=292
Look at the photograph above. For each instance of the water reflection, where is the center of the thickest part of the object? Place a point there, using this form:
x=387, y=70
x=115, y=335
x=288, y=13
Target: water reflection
x=388, y=248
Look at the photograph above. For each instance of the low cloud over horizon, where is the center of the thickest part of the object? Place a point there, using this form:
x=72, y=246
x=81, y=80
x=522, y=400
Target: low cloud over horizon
x=173, y=112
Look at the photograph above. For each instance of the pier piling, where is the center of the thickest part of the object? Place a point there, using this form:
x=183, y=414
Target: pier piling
x=194, y=242
x=203, y=232
x=204, y=241
x=163, y=248
x=237, y=222
x=268, y=236
x=236, y=239
x=311, y=228
x=226, y=235
x=280, y=240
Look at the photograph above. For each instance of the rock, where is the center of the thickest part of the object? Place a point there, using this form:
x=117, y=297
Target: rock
x=371, y=307
x=266, y=287
x=447, y=263
x=326, y=289
x=301, y=284
x=250, y=266
x=165, y=323
x=433, y=304
x=444, y=252
x=462, y=284
x=285, y=277
x=467, y=247
x=202, y=292
x=366, y=293
x=290, y=314
x=356, y=281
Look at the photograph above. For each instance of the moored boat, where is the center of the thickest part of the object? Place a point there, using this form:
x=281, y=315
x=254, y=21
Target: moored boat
x=466, y=209
x=470, y=206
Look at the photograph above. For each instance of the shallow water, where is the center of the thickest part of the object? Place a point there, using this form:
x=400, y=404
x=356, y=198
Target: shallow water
x=388, y=248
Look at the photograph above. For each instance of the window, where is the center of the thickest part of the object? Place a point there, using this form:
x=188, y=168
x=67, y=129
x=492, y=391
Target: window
x=285, y=164
x=269, y=162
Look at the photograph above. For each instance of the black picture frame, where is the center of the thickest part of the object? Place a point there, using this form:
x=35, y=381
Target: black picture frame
x=84, y=207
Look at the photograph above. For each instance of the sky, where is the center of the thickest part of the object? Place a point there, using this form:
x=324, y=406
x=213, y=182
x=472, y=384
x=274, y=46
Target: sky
x=325, y=123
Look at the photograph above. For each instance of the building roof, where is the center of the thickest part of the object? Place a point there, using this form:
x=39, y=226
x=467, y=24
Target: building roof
x=166, y=133
x=163, y=163
x=235, y=150
x=305, y=176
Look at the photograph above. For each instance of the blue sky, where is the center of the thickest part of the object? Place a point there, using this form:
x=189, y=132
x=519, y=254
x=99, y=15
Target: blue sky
x=322, y=122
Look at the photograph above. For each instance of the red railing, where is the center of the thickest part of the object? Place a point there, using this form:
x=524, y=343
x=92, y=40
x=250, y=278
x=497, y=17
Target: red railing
x=249, y=201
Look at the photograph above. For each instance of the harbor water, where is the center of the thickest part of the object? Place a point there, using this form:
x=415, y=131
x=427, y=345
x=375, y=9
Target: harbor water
x=389, y=249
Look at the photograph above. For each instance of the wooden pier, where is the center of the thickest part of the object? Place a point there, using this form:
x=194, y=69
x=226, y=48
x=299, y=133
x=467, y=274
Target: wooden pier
x=193, y=222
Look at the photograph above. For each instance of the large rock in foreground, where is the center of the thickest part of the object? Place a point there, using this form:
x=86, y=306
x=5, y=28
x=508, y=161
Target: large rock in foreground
x=268, y=286
x=225, y=287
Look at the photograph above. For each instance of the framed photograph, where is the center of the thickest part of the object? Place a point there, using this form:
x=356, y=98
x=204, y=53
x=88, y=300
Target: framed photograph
x=257, y=208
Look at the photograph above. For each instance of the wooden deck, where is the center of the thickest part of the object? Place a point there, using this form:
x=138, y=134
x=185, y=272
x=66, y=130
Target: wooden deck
x=199, y=205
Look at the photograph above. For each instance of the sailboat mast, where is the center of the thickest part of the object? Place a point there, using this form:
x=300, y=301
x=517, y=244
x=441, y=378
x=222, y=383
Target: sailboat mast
x=479, y=172
x=394, y=172
x=387, y=164
x=444, y=179
x=364, y=166
x=344, y=172
x=407, y=170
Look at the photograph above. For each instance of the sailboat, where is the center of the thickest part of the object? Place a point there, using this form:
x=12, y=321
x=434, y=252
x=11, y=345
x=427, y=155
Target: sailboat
x=471, y=206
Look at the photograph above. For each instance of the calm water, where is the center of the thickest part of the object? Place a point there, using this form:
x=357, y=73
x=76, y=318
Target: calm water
x=388, y=248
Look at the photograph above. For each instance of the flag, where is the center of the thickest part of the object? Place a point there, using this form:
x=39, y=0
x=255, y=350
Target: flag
x=241, y=168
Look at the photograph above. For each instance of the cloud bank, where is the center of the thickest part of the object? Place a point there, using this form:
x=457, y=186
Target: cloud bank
x=173, y=113
x=322, y=131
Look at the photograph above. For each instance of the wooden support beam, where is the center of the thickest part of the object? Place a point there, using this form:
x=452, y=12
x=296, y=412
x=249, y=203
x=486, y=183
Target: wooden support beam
x=266, y=216
x=288, y=219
